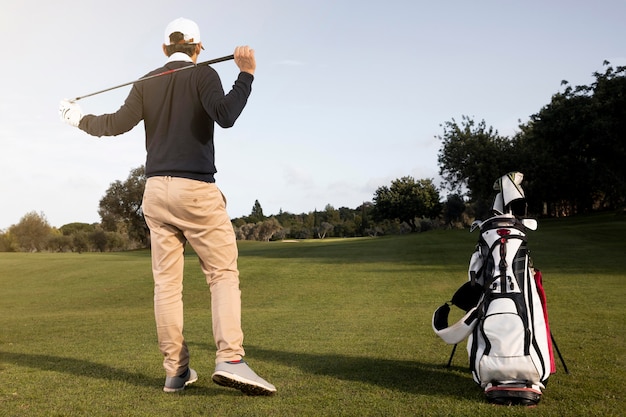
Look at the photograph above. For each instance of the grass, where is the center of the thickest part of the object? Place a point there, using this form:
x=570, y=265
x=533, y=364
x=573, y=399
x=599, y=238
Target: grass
x=341, y=327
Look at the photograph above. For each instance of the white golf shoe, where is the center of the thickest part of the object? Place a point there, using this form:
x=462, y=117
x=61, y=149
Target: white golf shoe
x=238, y=375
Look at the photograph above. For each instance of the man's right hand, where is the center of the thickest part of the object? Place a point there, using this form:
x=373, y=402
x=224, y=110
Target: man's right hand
x=244, y=58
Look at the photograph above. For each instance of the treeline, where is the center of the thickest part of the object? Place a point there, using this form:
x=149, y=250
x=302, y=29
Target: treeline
x=330, y=223
x=33, y=233
x=406, y=206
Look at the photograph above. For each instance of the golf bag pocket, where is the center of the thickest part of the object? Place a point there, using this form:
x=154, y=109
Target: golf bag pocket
x=503, y=329
x=501, y=341
x=507, y=369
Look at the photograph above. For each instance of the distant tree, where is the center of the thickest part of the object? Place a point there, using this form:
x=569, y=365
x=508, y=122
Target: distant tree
x=323, y=229
x=116, y=241
x=80, y=242
x=7, y=242
x=98, y=239
x=248, y=231
x=238, y=222
x=473, y=156
x=331, y=215
x=32, y=232
x=325, y=221
x=120, y=208
x=289, y=223
x=60, y=243
x=453, y=210
x=71, y=228
x=348, y=222
x=308, y=225
x=256, y=215
x=407, y=200
x=267, y=229
x=366, y=217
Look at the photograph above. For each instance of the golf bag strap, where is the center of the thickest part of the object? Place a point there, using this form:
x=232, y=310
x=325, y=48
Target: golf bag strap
x=458, y=331
x=542, y=296
x=495, y=244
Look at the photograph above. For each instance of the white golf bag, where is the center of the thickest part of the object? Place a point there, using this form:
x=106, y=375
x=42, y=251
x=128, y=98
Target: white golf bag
x=506, y=325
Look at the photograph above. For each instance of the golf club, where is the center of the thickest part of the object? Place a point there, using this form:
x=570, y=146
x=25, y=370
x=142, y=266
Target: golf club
x=212, y=61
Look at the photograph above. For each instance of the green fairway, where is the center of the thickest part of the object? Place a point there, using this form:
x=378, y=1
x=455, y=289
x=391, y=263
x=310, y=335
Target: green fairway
x=341, y=327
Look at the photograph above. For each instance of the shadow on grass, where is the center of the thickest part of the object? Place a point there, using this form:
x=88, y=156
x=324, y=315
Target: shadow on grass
x=78, y=367
x=83, y=368
x=406, y=376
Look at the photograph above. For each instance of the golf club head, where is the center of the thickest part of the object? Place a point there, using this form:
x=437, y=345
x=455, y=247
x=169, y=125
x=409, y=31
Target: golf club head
x=530, y=224
x=475, y=225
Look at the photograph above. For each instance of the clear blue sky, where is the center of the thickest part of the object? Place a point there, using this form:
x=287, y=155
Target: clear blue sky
x=348, y=95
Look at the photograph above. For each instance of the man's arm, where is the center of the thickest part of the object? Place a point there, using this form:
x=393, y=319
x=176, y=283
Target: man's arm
x=123, y=120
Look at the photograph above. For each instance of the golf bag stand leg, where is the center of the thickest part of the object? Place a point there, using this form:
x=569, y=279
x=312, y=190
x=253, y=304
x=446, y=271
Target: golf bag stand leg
x=556, y=347
x=452, y=355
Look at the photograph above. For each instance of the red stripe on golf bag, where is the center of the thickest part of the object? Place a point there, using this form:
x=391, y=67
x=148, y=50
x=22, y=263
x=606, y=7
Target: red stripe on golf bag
x=544, y=304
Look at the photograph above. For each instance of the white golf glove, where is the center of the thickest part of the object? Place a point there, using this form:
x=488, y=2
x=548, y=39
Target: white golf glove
x=70, y=112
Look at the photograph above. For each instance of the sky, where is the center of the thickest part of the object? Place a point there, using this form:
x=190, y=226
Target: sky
x=348, y=95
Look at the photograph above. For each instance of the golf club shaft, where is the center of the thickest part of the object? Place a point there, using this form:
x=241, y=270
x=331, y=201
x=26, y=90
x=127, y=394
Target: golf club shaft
x=212, y=61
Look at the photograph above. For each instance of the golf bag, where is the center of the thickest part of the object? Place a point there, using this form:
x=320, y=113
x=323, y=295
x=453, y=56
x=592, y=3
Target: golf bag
x=506, y=322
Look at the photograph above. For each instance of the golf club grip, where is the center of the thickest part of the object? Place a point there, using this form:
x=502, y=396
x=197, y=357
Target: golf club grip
x=216, y=60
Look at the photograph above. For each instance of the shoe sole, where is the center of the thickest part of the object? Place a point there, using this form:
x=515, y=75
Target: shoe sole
x=189, y=382
x=245, y=386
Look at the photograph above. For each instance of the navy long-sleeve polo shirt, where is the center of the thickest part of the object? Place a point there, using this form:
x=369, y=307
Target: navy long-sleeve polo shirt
x=179, y=111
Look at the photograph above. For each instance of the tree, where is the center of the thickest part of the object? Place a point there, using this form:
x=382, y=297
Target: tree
x=60, y=243
x=407, y=200
x=575, y=147
x=331, y=215
x=473, y=156
x=32, y=232
x=80, y=242
x=256, y=215
x=324, y=228
x=454, y=208
x=72, y=228
x=7, y=242
x=120, y=208
x=267, y=229
x=99, y=239
x=609, y=131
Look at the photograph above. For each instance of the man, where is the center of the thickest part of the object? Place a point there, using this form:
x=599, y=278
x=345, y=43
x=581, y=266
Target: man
x=181, y=202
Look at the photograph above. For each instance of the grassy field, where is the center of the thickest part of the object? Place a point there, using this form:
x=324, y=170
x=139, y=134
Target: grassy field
x=341, y=327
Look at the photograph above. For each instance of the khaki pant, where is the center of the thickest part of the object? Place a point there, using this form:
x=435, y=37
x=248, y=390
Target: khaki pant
x=179, y=210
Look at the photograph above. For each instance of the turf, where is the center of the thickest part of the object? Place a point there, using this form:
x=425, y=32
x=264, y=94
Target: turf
x=341, y=327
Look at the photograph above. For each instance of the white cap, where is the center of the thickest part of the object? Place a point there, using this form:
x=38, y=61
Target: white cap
x=188, y=28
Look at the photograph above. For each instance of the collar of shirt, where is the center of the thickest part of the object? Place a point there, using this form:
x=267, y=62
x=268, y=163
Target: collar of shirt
x=179, y=56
